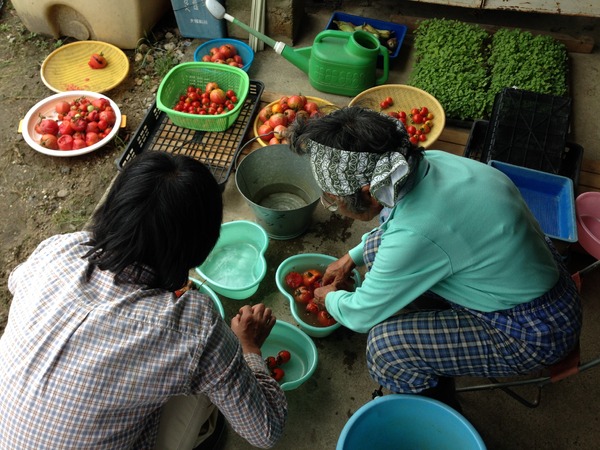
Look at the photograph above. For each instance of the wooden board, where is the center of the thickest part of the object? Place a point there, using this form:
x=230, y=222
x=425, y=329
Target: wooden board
x=573, y=44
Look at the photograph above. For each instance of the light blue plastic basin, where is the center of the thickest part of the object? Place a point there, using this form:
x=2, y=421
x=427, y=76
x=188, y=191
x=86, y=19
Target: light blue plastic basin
x=302, y=364
x=237, y=264
x=301, y=263
x=408, y=422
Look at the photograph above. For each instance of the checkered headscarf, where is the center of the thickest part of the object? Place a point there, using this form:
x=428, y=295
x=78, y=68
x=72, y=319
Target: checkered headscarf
x=340, y=172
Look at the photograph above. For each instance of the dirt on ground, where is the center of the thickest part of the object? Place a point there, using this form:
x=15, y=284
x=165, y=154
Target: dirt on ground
x=42, y=195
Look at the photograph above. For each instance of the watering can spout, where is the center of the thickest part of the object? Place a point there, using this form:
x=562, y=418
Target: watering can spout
x=298, y=57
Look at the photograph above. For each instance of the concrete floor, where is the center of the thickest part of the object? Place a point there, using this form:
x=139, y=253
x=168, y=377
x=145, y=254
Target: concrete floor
x=568, y=416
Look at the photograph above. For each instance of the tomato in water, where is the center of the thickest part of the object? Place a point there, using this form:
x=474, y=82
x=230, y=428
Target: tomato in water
x=277, y=373
x=293, y=280
x=312, y=308
x=283, y=356
x=310, y=276
x=303, y=294
x=325, y=319
x=271, y=362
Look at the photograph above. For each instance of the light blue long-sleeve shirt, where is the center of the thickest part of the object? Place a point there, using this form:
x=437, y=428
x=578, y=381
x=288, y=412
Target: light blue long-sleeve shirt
x=463, y=232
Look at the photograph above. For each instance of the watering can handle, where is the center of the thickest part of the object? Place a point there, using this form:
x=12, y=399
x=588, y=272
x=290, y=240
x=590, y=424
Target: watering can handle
x=331, y=33
x=386, y=65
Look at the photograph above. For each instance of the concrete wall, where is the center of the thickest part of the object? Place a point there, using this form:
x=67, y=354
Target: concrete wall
x=282, y=22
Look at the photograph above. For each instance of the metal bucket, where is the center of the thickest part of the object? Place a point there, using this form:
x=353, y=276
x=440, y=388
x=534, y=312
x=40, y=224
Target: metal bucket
x=280, y=188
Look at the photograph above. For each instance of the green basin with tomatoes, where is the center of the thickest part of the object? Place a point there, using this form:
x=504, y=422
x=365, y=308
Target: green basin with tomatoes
x=304, y=356
x=301, y=263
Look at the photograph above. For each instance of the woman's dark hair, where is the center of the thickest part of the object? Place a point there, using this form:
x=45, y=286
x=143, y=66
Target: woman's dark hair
x=354, y=129
x=163, y=212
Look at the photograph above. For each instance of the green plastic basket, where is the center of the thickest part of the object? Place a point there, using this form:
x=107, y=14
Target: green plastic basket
x=175, y=83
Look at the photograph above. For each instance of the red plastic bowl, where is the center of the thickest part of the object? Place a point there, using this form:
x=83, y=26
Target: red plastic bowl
x=587, y=207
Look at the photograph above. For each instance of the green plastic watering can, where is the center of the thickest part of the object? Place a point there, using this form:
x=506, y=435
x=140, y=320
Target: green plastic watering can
x=338, y=62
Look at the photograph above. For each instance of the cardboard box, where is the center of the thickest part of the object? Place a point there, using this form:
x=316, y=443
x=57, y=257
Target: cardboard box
x=195, y=21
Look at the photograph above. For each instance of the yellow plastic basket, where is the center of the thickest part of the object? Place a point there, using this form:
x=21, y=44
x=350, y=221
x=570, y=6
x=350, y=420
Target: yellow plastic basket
x=175, y=83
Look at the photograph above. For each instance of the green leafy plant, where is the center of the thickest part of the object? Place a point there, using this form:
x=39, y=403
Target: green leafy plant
x=533, y=63
x=464, y=67
x=451, y=65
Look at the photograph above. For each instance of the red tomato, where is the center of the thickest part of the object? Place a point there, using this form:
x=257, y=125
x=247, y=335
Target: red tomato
x=97, y=61
x=310, y=276
x=265, y=131
x=210, y=86
x=417, y=118
x=79, y=124
x=65, y=142
x=303, y=294
x=62, y=107
x=48, y=126
x=424, y=110
x=109, y=116
x=325, y=319
x=414, y=139
x=293, y=280
x=283, y=356
x=271, y=362
x=78, y=143
x=277, y=373
x=312, y=308
x=411, y=129
x=91, y=138
x=100, y=103
x=49, y=141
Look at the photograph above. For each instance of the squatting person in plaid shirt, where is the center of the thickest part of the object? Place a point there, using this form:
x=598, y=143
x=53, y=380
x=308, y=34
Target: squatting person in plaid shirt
x=454, y=230
x=101, y=352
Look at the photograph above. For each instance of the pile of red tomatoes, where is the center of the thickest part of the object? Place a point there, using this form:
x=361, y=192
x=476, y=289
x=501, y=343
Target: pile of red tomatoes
x=224, y=54
x=210, y=99
x=418, y=122
x=274, y=364
x=79, y=123
x=277, y=116
x=302, y=287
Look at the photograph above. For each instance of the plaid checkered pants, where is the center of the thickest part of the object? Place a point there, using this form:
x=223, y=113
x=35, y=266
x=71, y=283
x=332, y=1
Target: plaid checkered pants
x=409, y=351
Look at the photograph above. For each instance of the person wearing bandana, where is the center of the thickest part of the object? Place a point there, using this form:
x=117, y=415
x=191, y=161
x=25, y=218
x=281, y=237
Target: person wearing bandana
x=457, y=232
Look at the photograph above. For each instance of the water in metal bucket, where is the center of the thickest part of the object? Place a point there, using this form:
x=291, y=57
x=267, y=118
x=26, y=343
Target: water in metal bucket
x=280, y=189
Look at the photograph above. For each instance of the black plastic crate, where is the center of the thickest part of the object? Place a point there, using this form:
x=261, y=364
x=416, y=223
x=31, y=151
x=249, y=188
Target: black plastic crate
x=569, y=166
x=218, y=150
x=528, y=129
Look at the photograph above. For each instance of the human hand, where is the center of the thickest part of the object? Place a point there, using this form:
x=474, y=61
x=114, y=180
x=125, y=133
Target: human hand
x=339, y=270
x=252, y=325
x=346, y=284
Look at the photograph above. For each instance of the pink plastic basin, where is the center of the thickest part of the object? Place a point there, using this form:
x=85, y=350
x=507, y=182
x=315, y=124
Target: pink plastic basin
x=587, y=207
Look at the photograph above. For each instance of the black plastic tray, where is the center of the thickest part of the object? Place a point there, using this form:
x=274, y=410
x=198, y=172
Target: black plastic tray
x=568, y=166
x=218, y=150
x=529, y=129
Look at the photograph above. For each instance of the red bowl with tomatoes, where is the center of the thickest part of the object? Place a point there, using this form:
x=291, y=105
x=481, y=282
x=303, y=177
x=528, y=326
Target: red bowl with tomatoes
x=71, y=123
x=296, y=278
x=225, y=51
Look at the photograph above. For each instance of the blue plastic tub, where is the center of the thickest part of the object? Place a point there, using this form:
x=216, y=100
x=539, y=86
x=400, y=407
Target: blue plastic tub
x=550, y=198
x=407, y=422
x=399, y=31
x=243, y=49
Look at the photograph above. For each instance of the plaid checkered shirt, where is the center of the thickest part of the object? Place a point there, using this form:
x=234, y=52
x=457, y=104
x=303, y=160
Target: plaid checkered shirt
x=88, y=363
